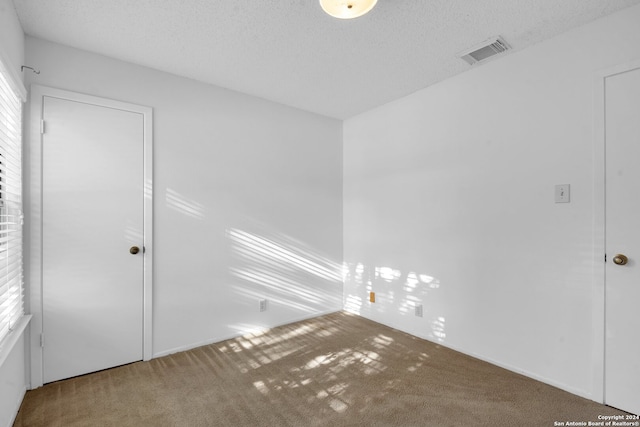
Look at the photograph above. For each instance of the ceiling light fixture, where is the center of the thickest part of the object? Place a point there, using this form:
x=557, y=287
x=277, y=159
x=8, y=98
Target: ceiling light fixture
x=347, y=9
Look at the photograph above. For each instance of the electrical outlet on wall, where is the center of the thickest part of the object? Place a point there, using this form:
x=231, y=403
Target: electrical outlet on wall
x=418, y=310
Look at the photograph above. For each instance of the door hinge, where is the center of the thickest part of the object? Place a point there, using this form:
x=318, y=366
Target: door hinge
x=42, y=127
x=41, y=340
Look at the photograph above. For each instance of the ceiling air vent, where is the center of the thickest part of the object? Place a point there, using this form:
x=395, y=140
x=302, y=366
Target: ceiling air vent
x=485, y=50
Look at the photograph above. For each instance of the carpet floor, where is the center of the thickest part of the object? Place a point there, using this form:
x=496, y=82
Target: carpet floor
x=334, y=370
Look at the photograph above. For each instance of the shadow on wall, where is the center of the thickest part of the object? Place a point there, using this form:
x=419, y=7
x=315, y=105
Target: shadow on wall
x=404, y=293
x=286, y=272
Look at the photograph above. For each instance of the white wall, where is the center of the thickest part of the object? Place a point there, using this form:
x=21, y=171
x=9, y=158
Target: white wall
x=449, y=203
x=11, y=35
x=247, y=199
x=13, y=375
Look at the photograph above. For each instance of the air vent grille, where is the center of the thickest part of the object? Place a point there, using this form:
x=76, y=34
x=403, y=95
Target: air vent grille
x=485, y=51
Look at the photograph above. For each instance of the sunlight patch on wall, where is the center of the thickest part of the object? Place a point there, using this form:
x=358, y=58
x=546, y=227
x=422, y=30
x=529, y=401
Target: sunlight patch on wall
x=409, y=293
x=437, y=327
x=412, y=281
x=387, y=273
x=283, y=271
x=253, y=245
x=345, y=271
x=431, y=281
x=269, y=280
x=185, y=206
x=353, y=304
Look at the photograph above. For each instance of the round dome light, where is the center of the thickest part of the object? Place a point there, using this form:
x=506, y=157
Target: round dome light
x=347, y=9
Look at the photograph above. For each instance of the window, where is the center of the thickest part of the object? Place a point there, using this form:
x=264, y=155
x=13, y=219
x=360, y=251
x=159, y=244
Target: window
x=11, y=282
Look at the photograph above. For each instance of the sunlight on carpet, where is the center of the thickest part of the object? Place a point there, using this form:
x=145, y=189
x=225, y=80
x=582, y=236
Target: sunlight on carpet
x=334, y=370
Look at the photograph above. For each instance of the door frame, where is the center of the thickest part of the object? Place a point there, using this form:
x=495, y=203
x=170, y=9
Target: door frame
x=599, y=227
x=33, y=214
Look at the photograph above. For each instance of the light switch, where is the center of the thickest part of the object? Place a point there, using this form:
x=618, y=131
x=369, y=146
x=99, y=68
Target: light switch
x=562, y=193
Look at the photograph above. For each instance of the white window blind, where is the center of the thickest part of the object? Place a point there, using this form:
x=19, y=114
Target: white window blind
x=11, y=282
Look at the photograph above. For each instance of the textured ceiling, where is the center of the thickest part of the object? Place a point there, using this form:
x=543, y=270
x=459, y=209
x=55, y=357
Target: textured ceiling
x=290, y=51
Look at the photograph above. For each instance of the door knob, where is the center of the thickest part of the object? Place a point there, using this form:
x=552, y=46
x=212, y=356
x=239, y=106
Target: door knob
x=620, y=259
x=134, y=250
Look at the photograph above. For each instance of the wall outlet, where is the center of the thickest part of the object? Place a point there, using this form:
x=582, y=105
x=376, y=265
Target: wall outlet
x=372, y=297
x=263, y=305
x=418, y=309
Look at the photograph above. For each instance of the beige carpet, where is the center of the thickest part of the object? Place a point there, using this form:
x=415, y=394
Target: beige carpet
x=335, y=370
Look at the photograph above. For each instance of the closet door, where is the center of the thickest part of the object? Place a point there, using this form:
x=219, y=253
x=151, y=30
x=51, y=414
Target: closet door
x=93, y=258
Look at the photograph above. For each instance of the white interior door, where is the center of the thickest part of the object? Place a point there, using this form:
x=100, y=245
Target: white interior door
x=622, y=204
x=92, y=214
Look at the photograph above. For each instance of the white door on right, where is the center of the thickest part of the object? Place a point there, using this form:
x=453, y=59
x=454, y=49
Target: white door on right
x=622, y=269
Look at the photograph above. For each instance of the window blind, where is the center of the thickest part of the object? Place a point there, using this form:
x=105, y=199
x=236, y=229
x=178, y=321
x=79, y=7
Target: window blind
x=11, y=218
